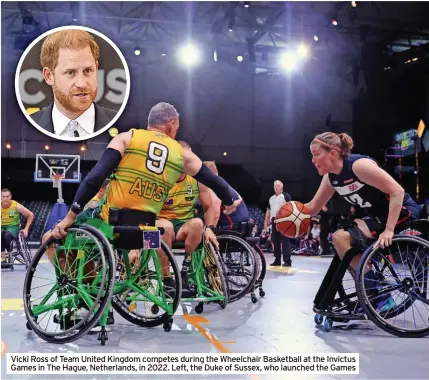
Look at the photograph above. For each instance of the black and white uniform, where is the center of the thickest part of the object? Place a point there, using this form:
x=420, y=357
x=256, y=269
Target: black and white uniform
x=371, y=203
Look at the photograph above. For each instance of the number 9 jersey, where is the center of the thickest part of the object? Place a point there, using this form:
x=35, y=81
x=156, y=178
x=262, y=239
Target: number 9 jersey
x=149, y=168
x=370, y=200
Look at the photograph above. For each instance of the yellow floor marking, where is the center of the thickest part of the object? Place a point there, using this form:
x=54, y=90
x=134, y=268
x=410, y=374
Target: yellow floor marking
x=290, y=270
x=12, y=304
x=196, y=320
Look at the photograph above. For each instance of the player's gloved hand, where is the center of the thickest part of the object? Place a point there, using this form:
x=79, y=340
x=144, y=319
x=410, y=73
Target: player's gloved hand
x=59, y=230
x=385, y=238
x=211, y=237
x=230, y=209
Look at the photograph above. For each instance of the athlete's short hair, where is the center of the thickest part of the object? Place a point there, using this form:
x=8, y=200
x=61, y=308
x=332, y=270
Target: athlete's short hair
x=162, y=113
x=74, y=39
x=6, y=191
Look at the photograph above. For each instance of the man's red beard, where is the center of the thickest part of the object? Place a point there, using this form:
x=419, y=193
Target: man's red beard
x=71, y=102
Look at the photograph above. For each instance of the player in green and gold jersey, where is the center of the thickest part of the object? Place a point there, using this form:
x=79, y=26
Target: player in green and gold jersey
x=177, y=217
x=10, y=211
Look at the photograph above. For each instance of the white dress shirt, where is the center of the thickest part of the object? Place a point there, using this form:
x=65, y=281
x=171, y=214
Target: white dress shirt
x=85, y=127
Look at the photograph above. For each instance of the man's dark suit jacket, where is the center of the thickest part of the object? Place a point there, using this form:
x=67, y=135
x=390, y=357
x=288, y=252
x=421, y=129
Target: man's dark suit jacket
x=44, y=117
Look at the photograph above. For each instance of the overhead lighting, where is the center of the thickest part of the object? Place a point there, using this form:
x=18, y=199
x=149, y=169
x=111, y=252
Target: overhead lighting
x=190, y=55
x=354, y=4
x=240, y=58
x=82, y=148
x=225, y=153
x=303, y=51
x=231, y=23
x=316, y=37
x=334, y=22
x=8, y=146
x=215, y=55
x=288, y=61
x=246, y=4
x=137, y=51
x=415, y=59
x=47, y=147
x=163, y=54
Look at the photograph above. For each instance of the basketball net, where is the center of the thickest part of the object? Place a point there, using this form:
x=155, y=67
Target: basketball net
x=56, y=184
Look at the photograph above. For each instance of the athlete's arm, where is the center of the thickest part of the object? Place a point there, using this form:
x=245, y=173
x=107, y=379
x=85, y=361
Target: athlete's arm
x=108, y=162
x=211, y=204
x=28, y=214
x=370, y=173
x=323, y=195
x=193, y=166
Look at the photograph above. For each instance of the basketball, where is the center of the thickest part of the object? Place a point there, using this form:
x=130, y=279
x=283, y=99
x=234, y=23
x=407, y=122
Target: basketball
x=293, y=219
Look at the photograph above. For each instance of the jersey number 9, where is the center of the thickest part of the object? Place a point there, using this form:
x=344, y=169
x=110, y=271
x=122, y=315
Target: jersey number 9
x=157, y=155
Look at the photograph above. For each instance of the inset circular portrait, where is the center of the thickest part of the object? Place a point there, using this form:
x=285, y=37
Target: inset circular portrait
x=72, y=83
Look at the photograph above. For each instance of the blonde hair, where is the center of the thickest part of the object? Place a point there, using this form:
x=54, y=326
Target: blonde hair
x=74, y=39
x=340, y=142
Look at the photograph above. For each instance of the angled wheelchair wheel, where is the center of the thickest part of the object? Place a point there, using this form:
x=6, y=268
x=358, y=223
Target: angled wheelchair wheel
x=262, y=262
x=149, y=297
x=241, y=265
x=24, y=250
x=63, y=300
x=395, y=294
x=216, y=274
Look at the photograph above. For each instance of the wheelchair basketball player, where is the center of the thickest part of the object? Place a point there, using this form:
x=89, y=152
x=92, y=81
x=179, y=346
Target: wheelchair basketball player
x=374, y=194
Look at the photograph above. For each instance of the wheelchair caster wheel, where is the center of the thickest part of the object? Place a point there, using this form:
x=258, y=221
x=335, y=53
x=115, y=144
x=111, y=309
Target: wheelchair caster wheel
x=328, y=324
x=199, y=308
x=12, y=268
x=102, y=336
x=28, y=326
x=261, y=293
x=167, y=325
x=254, y=299
x=155, y=309
x=318, y=319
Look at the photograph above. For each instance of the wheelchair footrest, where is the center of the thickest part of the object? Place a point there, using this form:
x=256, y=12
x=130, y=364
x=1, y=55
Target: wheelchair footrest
x=341, y=317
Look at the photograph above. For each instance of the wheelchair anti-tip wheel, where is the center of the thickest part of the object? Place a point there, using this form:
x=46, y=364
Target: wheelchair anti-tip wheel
x=65, y=299
x=241, y=265
x=396, y=298
x=152, y=298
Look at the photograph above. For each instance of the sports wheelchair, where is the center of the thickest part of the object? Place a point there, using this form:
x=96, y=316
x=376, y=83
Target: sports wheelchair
x=91, y=270
x=18, y=254
x=390, y=287
x=244, y=260
x=206, y=276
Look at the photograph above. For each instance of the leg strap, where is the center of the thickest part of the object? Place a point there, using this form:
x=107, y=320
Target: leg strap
x=359, y=240
x=333, y=279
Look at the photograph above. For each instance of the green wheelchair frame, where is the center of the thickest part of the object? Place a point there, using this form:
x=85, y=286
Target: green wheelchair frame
x=104, y=287
x=207, y=276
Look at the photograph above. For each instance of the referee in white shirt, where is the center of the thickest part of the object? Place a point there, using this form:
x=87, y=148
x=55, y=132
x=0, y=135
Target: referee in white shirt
x=281, y=242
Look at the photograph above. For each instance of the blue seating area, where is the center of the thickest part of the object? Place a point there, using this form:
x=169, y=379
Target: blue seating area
x=42, y=211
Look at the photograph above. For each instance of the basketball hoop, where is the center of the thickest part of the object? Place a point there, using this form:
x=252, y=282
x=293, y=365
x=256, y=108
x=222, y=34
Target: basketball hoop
x=56, y=178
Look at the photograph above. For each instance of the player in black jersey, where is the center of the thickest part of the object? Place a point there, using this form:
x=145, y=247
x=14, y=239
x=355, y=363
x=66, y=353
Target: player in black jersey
x=381, y=202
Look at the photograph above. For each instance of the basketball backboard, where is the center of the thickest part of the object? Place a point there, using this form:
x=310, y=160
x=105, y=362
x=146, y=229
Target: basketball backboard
x=68, y=166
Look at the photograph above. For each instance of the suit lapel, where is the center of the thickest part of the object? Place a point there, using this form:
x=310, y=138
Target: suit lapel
x=46, y=119
x=101, y=118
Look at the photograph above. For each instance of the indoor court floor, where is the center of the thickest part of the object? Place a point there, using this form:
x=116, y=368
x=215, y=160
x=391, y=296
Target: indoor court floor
x=281, y=322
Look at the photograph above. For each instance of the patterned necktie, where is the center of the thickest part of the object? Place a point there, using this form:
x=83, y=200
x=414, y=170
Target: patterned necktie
x=72, y=129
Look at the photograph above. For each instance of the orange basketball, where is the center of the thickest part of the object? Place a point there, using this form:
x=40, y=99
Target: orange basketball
x=293, y=219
